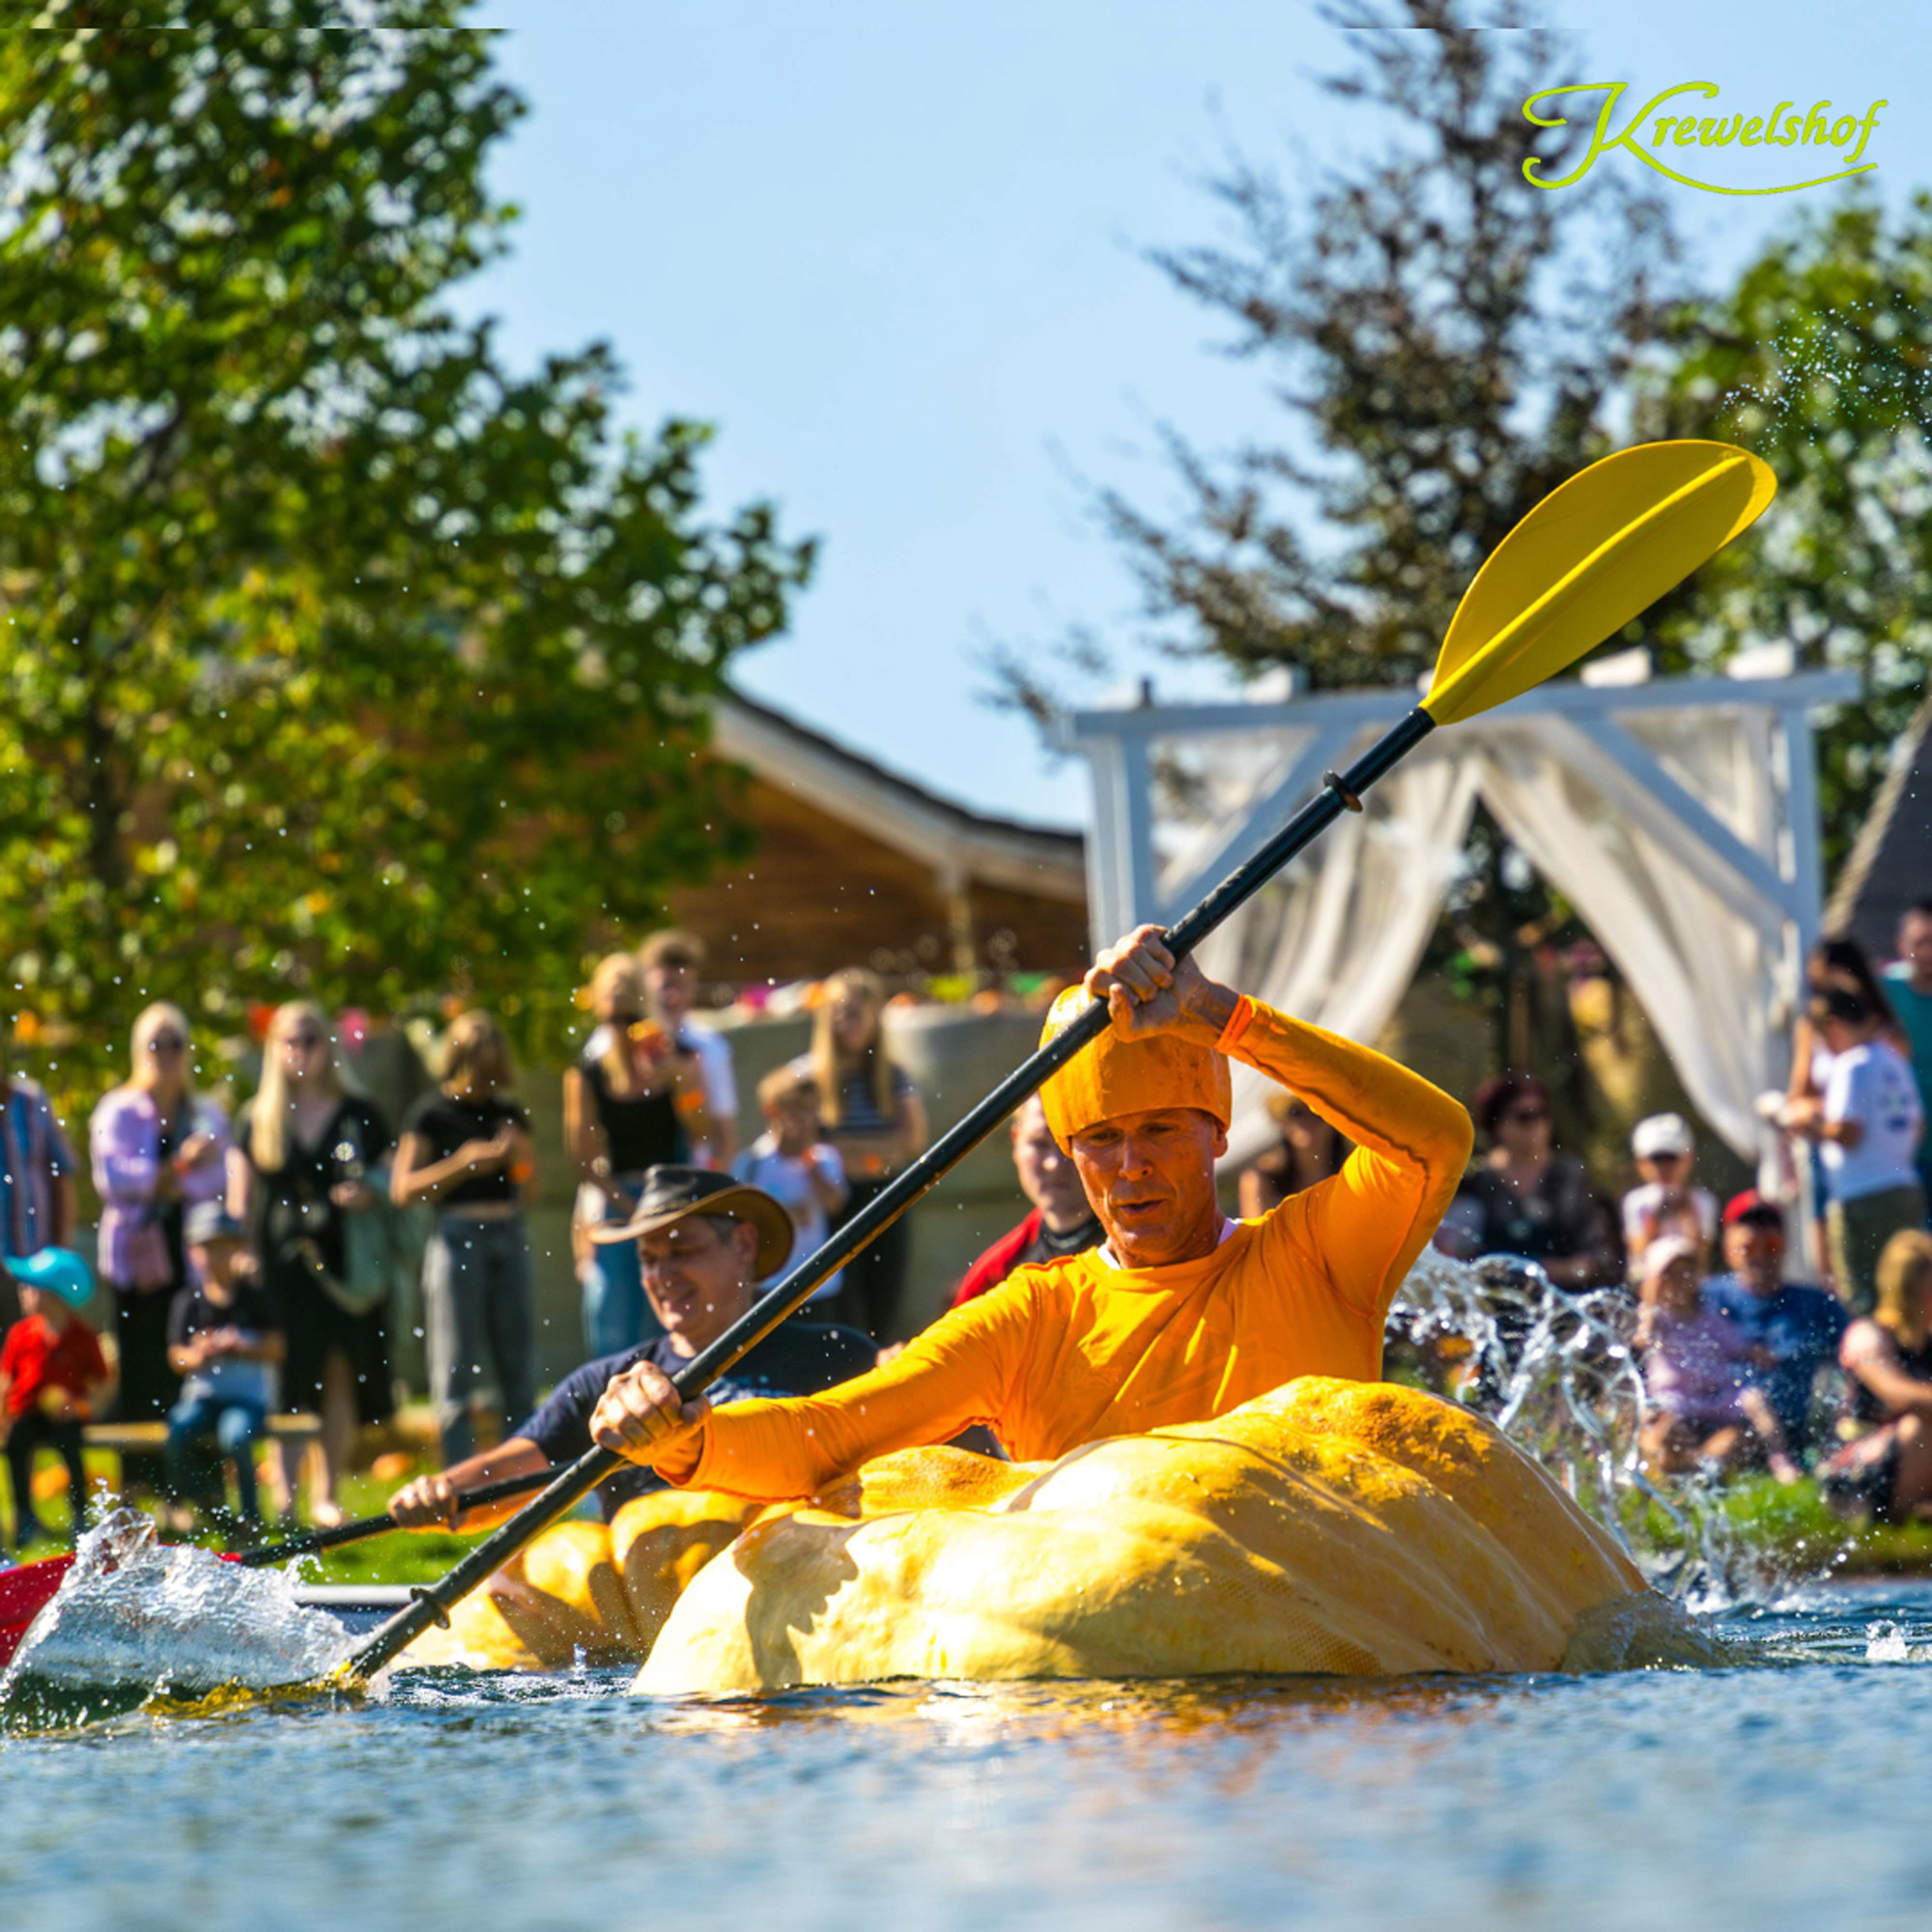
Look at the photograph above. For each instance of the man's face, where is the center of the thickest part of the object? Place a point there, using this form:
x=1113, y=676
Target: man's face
x=1047, y=1178
x=1753, y=1252
x=1151, y=1178
x=696, y=1279
x=1915, y=942
x=670, y=985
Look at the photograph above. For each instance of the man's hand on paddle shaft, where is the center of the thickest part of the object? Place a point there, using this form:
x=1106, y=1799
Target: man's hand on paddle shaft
x=1146, y=992
x=427, y=1503
x=640, y=1417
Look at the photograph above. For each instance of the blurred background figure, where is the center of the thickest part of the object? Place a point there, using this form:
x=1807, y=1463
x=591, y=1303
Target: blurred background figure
x=1791, y=1330
x=872, y=1114
x=1308, y=1151
x=1521, y=1197
x=1908, y=985
x=309, y=1158
x=802, y=1171
x=1704, y=1411
x=156, y=1146
x=1666, y=1201
x=672, y=962
x=224, y=1341
x=621, y=1117
x=36, y=1167
x=52, y=1377
x=467, y=1149
x=1063, y=1221
x=1885, y=1471
x=1867, y=1123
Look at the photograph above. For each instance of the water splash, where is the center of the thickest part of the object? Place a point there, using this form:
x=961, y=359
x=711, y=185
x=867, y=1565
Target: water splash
x=1557, y=1374
x=138, y=1621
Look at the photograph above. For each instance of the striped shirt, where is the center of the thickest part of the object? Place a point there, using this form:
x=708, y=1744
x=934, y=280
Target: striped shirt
x=33, y=1154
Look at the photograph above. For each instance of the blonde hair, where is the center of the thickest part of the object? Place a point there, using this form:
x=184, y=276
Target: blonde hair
x=831, y=1067
x=615, y=1059
x=476, y=1056
x=269, y=1117
x=148, y=1022
x=1902, y=1270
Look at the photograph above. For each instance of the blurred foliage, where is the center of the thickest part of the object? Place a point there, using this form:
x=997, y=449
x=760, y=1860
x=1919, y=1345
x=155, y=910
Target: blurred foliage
x=335, y=657
x=1820, y=359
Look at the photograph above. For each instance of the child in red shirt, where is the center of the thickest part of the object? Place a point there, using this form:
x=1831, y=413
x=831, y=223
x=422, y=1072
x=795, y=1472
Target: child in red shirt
x=51, y=1374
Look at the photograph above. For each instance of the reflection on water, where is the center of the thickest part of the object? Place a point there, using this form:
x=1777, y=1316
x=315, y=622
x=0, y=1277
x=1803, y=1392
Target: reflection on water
x=1783, y=1795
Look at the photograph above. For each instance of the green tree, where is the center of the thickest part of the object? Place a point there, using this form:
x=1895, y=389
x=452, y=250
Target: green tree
x=335, y=656
x=1820, y=359
x=1442, y=344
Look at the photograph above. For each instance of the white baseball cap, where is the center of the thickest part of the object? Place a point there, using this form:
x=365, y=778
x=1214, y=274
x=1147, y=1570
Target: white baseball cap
x=1662, y=1135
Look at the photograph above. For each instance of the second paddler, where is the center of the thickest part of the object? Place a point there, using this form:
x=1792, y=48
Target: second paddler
x=704, y=1243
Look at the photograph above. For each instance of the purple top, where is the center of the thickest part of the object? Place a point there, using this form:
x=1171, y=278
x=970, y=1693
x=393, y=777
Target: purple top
x=1695, y=1367
x=125, y=1140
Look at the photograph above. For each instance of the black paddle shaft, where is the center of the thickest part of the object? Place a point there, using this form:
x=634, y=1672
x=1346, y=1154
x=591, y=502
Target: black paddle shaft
x=310, y=1541
x=1340, y=792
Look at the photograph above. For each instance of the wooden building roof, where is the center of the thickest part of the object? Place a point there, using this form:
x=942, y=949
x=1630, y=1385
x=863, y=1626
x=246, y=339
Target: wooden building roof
x=857, y=865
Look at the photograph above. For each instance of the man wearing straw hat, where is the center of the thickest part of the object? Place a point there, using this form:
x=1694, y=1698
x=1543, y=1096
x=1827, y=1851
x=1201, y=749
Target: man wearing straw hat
x=704, y=1241
x=1183, y=1314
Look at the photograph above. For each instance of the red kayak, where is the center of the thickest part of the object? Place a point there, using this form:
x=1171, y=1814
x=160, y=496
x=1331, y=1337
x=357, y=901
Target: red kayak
x=25, y=1593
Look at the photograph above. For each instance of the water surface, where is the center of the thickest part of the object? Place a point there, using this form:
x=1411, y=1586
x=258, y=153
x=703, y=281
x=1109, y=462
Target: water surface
x=1784, y=1794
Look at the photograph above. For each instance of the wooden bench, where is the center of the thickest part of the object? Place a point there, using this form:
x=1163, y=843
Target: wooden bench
x=123, y=1437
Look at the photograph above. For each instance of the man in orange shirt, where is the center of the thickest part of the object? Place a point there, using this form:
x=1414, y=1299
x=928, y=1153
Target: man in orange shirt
x=1183, y=1314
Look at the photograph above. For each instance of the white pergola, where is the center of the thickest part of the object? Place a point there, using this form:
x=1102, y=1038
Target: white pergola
x=1679, y=814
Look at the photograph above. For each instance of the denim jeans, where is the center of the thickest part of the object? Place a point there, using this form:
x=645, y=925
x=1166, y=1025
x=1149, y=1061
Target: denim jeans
x=235, y=1426
x=477, y=1295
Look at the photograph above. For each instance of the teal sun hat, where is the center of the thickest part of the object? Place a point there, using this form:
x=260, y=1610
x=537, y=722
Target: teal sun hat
x=59, y=1270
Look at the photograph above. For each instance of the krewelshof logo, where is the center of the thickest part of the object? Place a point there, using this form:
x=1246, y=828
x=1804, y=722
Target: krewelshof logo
x=1786, y=125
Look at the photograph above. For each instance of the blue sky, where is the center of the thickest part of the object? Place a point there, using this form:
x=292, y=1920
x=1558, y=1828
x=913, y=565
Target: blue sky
x=895, y=255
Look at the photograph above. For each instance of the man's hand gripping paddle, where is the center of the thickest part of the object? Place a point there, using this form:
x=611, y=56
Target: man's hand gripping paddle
x=1593, y=554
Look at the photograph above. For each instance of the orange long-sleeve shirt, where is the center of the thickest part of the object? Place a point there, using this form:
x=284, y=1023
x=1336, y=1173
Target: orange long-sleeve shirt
x=1074, y=1351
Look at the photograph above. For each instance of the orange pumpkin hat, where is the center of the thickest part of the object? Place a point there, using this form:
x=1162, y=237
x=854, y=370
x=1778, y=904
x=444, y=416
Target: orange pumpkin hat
x=1114, y=1077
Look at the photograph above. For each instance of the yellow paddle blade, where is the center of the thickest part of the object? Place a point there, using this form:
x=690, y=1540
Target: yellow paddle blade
x=1597, y=550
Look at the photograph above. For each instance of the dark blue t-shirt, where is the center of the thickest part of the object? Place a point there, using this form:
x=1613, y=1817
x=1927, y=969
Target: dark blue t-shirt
x=1802, y=1328
x=797, y=1358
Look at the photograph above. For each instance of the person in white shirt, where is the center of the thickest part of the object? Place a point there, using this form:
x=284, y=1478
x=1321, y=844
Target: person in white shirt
x=671, y=961
x=1667, y=1202
x=1867, y=1124
x=803, y=1172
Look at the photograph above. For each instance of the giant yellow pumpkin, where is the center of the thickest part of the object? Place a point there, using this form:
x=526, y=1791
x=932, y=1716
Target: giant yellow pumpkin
x=1331, y=1525
x=584, y=1591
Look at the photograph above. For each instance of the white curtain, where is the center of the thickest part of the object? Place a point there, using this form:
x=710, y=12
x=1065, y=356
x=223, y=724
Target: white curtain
x=1336, y=938
x=1709, y=965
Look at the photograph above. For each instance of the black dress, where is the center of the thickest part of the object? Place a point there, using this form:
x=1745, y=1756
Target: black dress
x=295, y=1225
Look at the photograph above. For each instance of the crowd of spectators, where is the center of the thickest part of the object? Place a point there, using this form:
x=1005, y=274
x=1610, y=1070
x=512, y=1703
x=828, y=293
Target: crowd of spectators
x=252, y=1271
x=250, y=1267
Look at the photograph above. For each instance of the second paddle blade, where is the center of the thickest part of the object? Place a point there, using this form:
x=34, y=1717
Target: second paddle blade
x=1595, y=552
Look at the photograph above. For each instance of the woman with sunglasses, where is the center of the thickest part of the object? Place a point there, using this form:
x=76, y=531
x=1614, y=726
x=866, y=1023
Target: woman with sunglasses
x=1523, y=1198
x=156, y=1146
x=310, y=1145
